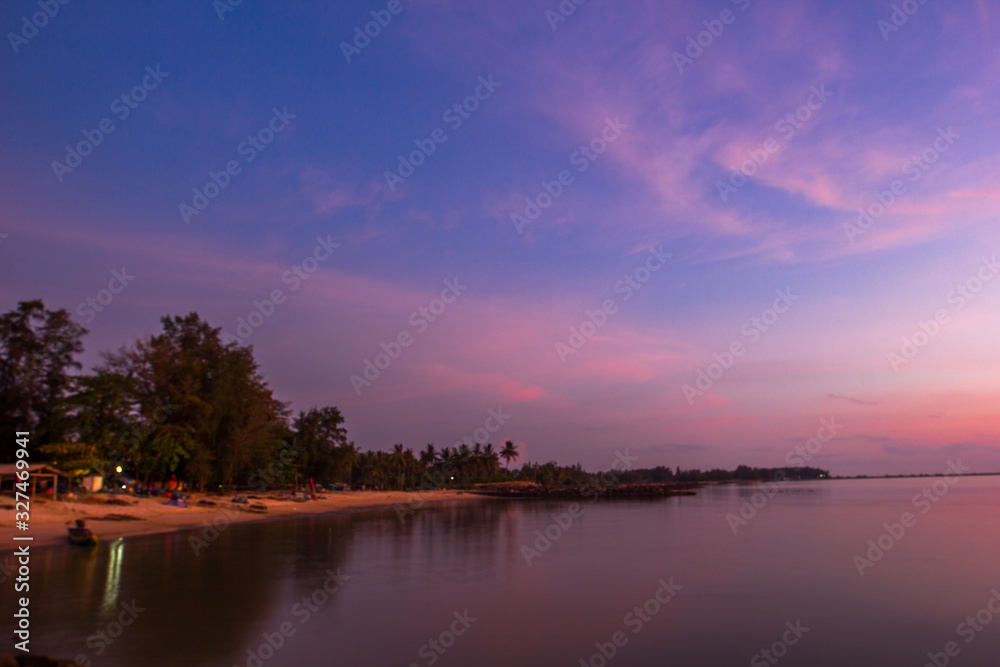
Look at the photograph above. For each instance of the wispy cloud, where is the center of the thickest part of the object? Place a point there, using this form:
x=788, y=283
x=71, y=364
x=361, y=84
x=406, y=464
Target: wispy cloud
x=851, y=399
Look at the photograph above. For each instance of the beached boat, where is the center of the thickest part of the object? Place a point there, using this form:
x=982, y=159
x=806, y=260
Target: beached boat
x=82, y=536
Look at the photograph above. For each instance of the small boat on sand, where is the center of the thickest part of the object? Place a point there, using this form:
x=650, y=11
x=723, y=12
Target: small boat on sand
x=82, y=536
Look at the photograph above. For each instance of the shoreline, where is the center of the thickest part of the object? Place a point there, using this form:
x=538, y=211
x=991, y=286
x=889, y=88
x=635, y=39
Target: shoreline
x=149, y=516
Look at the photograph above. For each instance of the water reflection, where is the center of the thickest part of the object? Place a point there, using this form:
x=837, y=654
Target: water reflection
x=112, y=582
x=408, y=583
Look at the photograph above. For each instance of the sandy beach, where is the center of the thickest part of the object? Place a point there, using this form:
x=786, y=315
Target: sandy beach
x=144, y=516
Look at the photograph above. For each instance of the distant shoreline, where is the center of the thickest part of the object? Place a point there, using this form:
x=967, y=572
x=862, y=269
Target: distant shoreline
x=918, y=476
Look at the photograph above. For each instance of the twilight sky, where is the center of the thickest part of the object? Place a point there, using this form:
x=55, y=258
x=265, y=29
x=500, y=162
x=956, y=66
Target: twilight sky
x=694, y=199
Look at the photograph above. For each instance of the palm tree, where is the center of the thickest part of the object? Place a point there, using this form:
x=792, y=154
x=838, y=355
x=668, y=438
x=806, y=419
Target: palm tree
x=412, y=466
x=349, y=454
x=399, y=463
x=428, y=457
x=492, y=459
x=462, y=462
x=382, y=469
x=508, y=453
x=447, y=460
x=477, y=461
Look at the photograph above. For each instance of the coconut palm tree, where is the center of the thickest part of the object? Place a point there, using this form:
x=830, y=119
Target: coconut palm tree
x=477, y=461
x=447, y=461
x=367, y=470
x=492, y=459
x=399, y=463
x=349, y=455
x=429, y=456
x=383, y=466
x=509, y=453
x=462, y=459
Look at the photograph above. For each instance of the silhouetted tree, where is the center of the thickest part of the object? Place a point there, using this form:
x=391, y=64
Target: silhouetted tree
x=38, y=349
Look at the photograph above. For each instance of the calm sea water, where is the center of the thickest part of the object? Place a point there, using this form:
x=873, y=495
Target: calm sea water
x=459, y=576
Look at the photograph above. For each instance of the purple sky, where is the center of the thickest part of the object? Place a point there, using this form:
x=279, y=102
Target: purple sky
x=695, y=200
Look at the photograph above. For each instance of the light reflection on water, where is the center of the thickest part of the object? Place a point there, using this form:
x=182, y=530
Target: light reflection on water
x=411, y=583
x=112, y=582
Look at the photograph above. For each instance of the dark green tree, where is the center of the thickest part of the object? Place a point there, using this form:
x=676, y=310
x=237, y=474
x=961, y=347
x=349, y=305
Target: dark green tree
x=38, y=349
x=322, y=441
x=207, y=413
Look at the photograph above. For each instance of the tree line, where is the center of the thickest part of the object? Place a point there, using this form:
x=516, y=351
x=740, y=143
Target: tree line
x=663, y=474
x=187, y=404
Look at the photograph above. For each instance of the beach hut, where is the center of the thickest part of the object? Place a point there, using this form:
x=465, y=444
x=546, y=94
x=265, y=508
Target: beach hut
x=37, y=472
